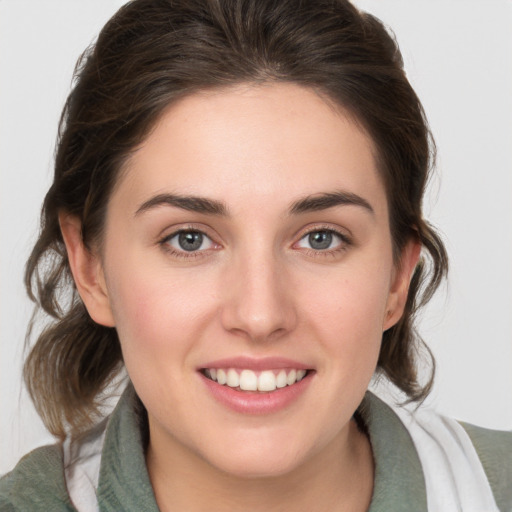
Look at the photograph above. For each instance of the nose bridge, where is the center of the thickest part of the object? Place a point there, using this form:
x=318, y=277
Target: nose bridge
x=258, y=301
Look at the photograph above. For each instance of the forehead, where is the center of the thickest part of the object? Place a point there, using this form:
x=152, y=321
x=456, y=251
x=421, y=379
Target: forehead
x=267, y=143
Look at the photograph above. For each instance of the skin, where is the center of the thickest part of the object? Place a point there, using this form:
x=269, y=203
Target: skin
x=255, y=288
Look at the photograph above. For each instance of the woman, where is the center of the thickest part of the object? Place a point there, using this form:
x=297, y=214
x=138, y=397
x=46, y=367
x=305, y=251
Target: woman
x=237, y=210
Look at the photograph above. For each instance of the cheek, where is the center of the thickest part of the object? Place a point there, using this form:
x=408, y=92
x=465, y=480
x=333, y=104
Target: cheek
x=157, y=312
x=348, y=308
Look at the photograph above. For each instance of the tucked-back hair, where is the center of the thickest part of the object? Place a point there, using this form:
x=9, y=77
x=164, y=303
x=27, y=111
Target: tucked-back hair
x=150, y=54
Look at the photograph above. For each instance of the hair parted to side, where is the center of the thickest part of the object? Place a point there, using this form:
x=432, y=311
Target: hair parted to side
x=154, y=52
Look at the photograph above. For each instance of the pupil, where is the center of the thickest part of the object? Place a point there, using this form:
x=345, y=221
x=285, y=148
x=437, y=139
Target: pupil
x=320, y=239
x=190, y=241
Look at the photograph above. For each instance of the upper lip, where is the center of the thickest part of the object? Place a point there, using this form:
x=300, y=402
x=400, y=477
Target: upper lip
x=256, y=364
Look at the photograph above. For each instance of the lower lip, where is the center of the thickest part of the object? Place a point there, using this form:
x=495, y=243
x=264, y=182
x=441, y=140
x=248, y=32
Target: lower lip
x=250, y=402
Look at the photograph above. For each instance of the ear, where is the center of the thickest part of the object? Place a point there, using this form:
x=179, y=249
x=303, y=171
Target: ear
x=87, y=271
x=400, y=283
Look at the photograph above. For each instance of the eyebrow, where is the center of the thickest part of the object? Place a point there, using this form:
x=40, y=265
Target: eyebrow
x=190, y=203
x=311, y=203
x=327, y=200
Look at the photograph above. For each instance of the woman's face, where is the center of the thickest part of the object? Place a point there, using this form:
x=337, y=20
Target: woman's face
x=248, y=240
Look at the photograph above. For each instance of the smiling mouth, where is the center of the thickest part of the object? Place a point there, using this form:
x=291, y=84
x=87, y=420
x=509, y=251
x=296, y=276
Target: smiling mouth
x=248, y=380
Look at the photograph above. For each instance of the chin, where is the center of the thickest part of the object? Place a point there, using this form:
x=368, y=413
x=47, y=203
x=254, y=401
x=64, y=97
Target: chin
x=258, y=459
x=261, y=468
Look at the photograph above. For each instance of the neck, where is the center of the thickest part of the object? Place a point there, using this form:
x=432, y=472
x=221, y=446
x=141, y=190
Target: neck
x=338, y=478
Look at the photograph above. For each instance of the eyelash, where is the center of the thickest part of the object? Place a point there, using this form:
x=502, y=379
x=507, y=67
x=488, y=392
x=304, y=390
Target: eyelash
x=345, y=243
x=183, y=254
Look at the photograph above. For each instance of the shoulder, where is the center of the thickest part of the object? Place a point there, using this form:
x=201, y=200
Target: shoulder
x=475, y=458
x=461, y=464
x=494, y=448
x=37, y=483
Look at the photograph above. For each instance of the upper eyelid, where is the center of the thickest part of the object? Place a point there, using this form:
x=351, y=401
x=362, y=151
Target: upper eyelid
x=344, y=239
x=330, y=230
x=175, y=232
x=343, y=233
x=179, y=231
x=171, y=231
x=317, y=229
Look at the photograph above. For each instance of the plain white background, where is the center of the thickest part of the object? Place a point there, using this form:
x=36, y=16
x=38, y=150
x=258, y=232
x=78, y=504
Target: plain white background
x=458, y=56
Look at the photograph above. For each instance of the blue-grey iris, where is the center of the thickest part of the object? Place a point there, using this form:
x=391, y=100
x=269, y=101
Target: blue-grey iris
x=320, y=240
x=190, y=240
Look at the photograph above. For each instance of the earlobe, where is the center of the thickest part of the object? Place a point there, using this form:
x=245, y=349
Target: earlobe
x=87, y=271
x=400, y=286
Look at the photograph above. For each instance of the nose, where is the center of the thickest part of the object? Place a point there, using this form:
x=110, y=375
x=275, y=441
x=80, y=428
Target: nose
x=258, y=302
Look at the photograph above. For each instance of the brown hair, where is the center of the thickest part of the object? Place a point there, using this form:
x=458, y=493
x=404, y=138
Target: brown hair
x=153, y=52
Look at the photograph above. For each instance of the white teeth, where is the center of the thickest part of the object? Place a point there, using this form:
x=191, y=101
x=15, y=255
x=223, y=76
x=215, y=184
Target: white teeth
x=281, y=379
x=266, y=381
x=291, y=377
x=233, y=379
x=247, y=380
x=221, y=376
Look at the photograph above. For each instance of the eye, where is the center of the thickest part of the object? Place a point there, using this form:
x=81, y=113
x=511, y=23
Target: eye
x=322, y=240
x=189, y=241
